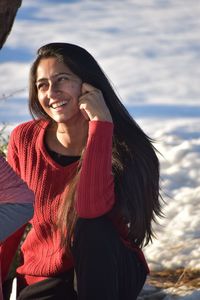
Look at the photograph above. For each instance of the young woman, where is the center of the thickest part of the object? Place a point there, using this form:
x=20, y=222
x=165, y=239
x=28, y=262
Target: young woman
x=95, y=175
x=16, y=203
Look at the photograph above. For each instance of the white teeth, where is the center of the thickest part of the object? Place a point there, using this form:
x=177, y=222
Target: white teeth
x=55, y=105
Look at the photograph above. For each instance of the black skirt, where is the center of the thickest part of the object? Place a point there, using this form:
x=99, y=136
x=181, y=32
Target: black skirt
x=53, y=288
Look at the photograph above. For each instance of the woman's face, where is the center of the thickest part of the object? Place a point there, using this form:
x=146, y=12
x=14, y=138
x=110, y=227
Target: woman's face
x=58, y=90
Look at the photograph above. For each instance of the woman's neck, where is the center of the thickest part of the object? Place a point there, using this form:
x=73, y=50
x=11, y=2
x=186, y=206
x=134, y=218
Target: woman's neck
x=68, y=139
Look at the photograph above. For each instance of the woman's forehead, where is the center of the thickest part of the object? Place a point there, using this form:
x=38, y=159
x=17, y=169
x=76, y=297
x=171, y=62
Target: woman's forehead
x=51, y=67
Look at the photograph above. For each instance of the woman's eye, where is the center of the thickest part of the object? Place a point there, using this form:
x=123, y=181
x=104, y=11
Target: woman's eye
x=41, y=86
x=63, y=78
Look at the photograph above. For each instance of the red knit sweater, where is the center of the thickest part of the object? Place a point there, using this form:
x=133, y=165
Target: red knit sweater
x=42, y=255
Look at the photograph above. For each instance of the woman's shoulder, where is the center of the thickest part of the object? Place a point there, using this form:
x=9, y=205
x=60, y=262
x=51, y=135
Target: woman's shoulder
x=30, y=126
x=28, y=130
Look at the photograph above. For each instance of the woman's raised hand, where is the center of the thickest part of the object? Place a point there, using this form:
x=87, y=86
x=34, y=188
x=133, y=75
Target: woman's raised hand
x=92, y=104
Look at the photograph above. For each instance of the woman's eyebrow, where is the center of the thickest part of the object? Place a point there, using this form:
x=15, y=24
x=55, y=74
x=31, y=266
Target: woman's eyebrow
x=55, y=75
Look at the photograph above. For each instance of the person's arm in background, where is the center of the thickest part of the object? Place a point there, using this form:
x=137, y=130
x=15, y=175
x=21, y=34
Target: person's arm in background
x=16, y=201
x=16, y=209
x=12, y=217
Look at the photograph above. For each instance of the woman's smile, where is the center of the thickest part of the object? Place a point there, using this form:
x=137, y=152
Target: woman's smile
x=59, y=104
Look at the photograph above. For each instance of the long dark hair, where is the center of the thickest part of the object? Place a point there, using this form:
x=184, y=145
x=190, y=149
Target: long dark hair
x=134, y=161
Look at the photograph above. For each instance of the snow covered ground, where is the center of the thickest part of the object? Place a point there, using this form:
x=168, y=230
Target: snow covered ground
x=178, y=235
x=177, y=243
x=150, y=49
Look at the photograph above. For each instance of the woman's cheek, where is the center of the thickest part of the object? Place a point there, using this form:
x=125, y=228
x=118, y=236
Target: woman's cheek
x=76, y=89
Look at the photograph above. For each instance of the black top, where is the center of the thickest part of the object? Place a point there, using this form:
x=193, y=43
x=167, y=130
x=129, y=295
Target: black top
x=63, y=160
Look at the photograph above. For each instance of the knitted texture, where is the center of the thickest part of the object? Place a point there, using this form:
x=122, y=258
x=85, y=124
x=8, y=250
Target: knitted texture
x=12, y=188
x=42, y=255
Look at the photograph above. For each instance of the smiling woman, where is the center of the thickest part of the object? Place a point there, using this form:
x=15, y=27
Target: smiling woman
x=95, y=175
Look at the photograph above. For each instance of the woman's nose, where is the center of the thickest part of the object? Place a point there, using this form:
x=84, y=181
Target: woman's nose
x=52, y=90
